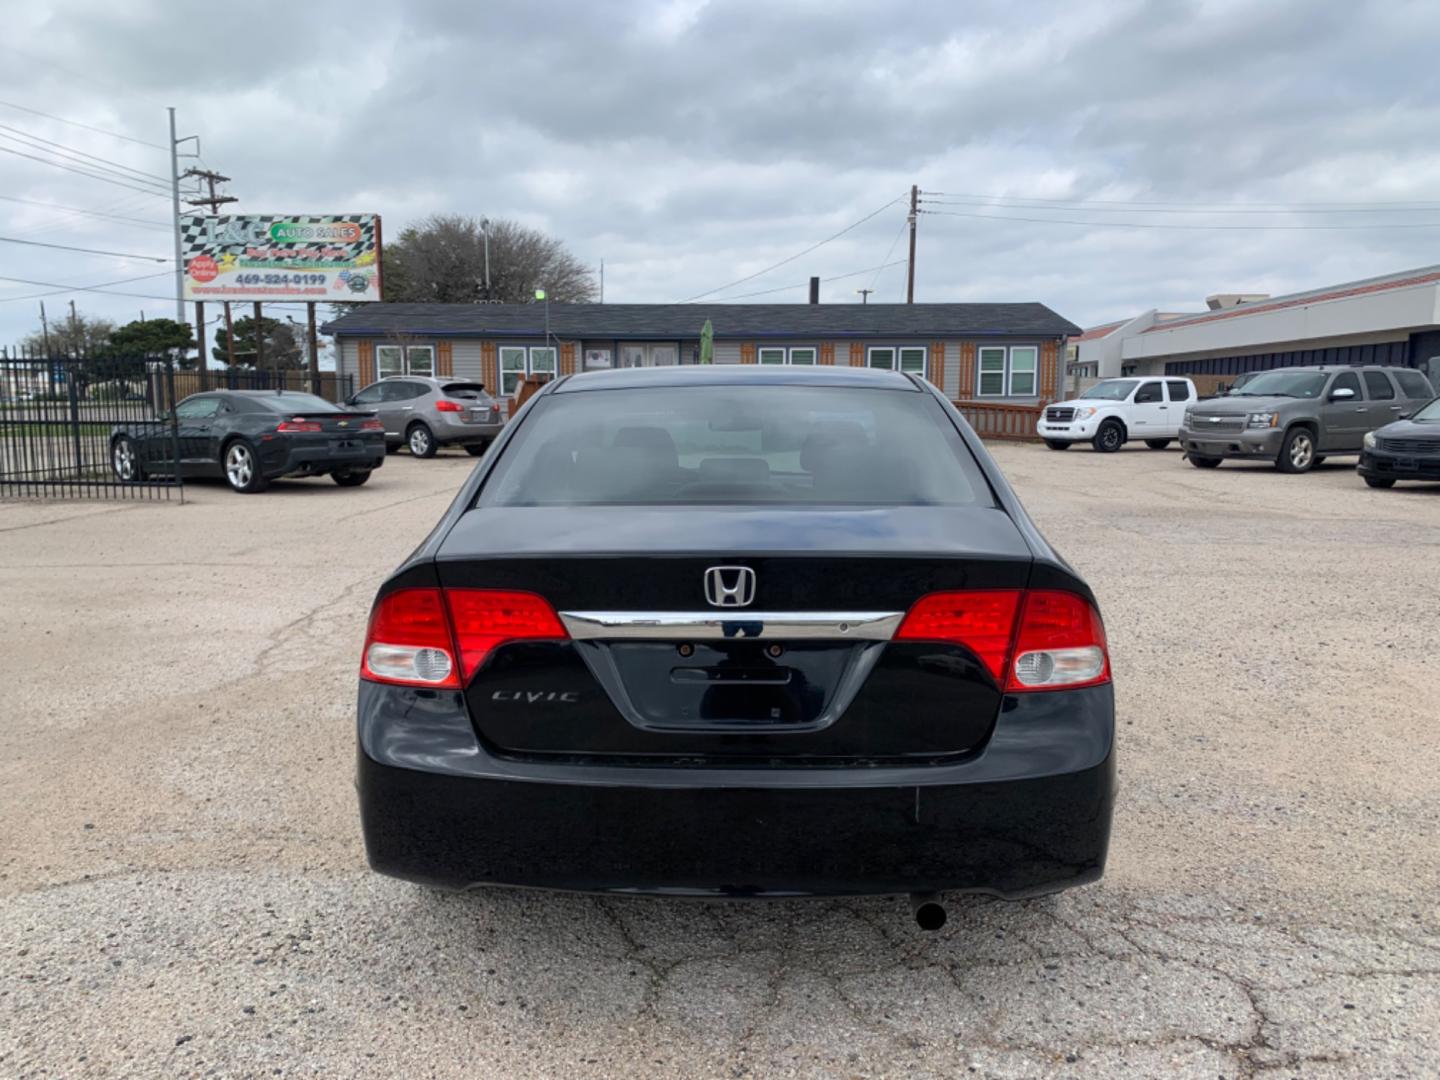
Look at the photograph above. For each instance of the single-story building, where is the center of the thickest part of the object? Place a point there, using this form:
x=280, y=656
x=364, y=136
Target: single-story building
x=1392, y=319
x=986, y=352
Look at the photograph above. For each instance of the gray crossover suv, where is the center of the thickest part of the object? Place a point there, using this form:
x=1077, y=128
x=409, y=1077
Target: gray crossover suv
x=1297, y=416
x=426, y=413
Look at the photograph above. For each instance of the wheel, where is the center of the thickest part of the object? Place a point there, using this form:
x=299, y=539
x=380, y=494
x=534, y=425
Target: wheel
x=1204, y=462
x=125, y=460
x=422, y=443
x=1157, y=444
x=1297, y=452
x=1379, y=481
x=475, y=449
x=350, y=477
x=1109, y=438
x=1057, y=444
x=242, y=470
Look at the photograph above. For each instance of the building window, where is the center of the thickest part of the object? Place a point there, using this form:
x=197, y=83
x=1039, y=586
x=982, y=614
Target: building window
x=992, y=371
x=909, y=359
x=516, y=361
x=773, y=354
x=404, y=360
x=1024, y=363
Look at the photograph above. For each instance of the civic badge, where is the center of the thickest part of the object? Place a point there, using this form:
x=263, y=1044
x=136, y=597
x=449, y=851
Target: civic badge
x=730, y=586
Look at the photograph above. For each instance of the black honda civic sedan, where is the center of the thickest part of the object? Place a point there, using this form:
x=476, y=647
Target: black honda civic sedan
x=251, y=437
x=737, y=632
x=1408, y=449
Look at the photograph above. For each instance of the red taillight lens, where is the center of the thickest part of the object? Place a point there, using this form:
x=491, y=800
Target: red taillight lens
x=1035, y=640
x=448, y=406
x=1060, y=644
x=409, y=643
x=371, y=425
x=484, y=619
x=299, y=424
x=439, y=638
x=982, y=620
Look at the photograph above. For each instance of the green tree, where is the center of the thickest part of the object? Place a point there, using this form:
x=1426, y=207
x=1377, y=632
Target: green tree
x=281, y=350
x=154, y=338
x=442, y=260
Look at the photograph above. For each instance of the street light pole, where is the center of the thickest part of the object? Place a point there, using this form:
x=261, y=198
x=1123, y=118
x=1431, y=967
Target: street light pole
x=175, y=211
x=485, y=229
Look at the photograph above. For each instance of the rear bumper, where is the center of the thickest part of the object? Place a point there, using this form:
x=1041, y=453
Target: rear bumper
x=450, y=431
x=1260, y=443
x=1029, y=814
x=1381, y=463
x=282, y=458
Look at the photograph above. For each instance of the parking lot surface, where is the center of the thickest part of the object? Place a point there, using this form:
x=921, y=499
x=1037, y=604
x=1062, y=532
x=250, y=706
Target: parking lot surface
x=183, y=889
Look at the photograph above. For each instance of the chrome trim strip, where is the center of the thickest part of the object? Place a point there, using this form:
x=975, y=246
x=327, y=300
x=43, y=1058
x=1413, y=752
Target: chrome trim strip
x=717, y=626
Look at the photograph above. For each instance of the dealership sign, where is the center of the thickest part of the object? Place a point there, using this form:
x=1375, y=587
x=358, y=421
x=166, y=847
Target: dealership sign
x=334, y=257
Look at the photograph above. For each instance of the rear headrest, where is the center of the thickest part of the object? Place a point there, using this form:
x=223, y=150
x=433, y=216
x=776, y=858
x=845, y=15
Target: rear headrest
x=734, y=470
x=828, y=436
x=658, y=444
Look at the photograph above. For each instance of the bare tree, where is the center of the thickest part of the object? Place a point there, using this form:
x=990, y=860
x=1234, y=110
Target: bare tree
x=442, y=260
x=82, y=335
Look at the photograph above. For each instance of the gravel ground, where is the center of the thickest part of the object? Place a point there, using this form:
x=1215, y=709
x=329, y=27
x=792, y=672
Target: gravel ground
x=183, y=889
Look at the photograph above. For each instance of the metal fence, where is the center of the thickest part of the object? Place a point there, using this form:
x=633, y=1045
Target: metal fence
x=330, y=385
x=59, y=416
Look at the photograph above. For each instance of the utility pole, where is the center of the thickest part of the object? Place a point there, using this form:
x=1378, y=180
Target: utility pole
x=864, y=295
x=74, y=327
x=210, y=178
x=910, y=269
x=44, y=330
x=175, y=210
x=259, y=340
x=229, y=338
x=602, y=281
x=202, y=366
x=485, y=229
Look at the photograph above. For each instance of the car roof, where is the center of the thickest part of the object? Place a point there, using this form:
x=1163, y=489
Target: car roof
x=735, y=375
x=1334, y=367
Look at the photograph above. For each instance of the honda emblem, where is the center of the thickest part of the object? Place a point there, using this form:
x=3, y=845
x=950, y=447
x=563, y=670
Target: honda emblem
x=730, y=586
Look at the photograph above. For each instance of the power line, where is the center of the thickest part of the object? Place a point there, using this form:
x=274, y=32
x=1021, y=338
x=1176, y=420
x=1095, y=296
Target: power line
x=76, y=123
x=84, y=172
x=1340, y=204
x=82, y=210
x=805, y=284
x=1202, y=228
x=61, y=150
x=100, y=287
x=797, y=255
x=87, y=251
x=904, y=224
x=1000, y=204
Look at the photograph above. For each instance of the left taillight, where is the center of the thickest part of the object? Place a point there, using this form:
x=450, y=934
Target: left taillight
x=448, y=406
x=439, y=638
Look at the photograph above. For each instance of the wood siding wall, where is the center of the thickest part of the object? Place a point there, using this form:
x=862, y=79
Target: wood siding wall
x=827, y=353
x=489, y=367
x=444, y=360
x=567, y=358
x=366, y=354
x=747, y=352
x=857, y=354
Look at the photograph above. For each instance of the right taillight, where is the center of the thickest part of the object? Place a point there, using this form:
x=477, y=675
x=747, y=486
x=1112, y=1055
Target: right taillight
x=1059, y=644
x=1032, y=640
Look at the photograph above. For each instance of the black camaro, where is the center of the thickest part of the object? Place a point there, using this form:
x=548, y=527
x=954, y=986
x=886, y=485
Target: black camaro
x=251, y=437
x=737, y=631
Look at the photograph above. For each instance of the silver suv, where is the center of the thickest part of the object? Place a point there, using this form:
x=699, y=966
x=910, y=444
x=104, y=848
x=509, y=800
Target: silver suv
x=1297, y=416
x=426, y=413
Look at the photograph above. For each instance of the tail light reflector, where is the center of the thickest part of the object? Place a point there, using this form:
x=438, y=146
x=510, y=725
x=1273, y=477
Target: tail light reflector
x=299, y=424
x=371, y=425
x=1042, y=639
x=439, y=638
x=448, y=406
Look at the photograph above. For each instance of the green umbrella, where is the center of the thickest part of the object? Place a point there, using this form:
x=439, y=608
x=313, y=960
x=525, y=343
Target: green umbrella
x=707, y=343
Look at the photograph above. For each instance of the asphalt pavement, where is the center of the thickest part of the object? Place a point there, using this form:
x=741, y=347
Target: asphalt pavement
x=183, y=889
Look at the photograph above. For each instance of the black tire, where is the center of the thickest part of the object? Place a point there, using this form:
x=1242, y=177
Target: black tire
x=1297, y=452
x=125, y=461
x=1379, y=481
x=242, y=468
x=476, y=449
x=421, y=441
x=350, y=477
x=1204, y=462
x=1157, y=444
x=1109, y=438
x=1057, y=444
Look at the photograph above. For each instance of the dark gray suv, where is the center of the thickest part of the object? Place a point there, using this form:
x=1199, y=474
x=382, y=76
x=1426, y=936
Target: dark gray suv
x=1295, y=417
x=426, y=413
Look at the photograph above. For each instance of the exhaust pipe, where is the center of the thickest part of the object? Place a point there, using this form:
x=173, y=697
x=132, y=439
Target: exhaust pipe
x=928, y=910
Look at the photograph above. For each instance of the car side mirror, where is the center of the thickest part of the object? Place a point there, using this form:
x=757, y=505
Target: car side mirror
x=1403, y=416
x=1343, y=394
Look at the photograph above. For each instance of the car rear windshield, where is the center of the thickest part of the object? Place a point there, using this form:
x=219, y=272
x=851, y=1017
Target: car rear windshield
x=749, y=445
x=1298, y=384
x=1111, y=390
x=1414, y=384
x=296, y=403
x=464, y=390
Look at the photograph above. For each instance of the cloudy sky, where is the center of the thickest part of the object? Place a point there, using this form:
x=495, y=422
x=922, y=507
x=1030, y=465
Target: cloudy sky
x=692, y=144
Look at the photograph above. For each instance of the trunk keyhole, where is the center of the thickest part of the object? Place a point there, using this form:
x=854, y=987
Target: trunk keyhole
x=686, y=649
x=774, y=651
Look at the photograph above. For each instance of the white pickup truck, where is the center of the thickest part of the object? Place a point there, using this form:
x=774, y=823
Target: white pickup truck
x=1114, y=411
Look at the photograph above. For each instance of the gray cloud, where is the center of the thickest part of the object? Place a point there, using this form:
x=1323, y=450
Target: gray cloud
x=689, y=144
